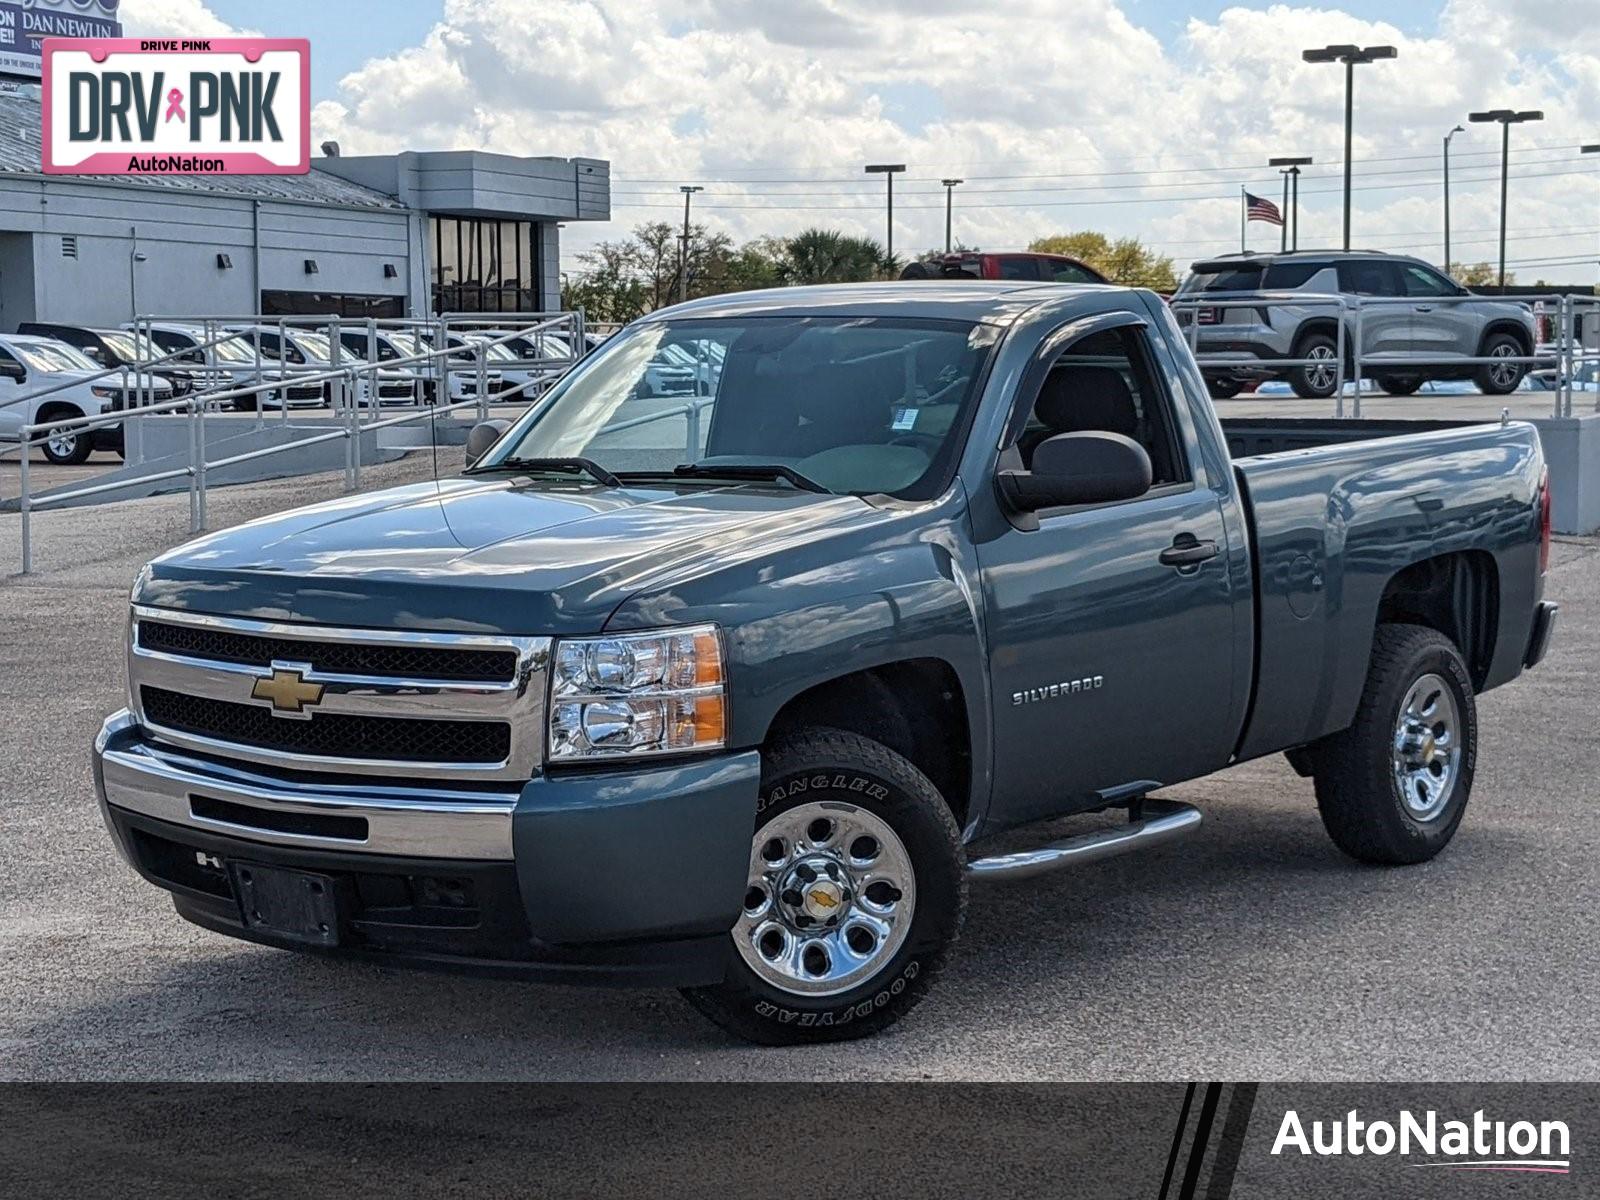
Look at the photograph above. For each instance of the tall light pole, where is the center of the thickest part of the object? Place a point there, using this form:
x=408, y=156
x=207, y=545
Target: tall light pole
x=888, y=171
x=1506, y=118
x=1447, y=137
x=1349, y=56
x=688, y=191
x=1592, y=148
x=1293, y=179
x=949, y=201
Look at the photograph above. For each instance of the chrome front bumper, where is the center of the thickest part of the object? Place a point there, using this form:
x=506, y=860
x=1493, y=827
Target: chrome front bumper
x=139, y=775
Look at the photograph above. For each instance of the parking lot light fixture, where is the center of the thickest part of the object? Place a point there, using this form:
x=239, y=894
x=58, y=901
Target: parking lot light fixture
x=1292, y=211
x=950, y=186
x=888, y=171
x=1348, y=55
x=1505, y=118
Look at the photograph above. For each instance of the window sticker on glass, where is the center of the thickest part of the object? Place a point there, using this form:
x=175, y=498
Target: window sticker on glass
x=904, y=419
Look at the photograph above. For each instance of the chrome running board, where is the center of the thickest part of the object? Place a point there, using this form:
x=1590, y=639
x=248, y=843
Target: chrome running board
x=1152, y=823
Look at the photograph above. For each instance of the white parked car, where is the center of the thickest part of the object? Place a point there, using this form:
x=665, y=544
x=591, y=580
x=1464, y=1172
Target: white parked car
x=233, y=356
x=298, y=348
x=404, y=343
x=30, y=364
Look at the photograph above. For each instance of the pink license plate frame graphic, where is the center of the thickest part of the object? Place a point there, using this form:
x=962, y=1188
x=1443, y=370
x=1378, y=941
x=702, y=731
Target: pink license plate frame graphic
x=201, y=161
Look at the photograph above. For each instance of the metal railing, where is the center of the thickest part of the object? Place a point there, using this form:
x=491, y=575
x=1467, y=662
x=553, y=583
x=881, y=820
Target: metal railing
x=1352, y=357
x=438, y=358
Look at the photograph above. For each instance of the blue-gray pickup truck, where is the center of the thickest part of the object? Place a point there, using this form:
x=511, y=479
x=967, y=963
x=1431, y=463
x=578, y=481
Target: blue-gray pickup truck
x=726, y=689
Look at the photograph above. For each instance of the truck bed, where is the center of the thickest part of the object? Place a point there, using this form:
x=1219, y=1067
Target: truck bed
x=1337, y=509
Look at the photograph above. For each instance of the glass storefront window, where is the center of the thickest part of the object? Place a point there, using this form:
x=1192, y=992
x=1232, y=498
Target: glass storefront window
x=482, y=265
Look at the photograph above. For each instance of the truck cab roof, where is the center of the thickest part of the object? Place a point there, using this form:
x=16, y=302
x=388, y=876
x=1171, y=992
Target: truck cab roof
x=991, y=301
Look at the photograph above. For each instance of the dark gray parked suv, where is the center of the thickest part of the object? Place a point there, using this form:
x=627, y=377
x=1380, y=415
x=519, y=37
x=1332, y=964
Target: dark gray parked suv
x=1403, y=345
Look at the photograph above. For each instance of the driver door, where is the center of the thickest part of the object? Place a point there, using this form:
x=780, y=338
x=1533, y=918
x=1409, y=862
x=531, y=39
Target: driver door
x=1111, y=637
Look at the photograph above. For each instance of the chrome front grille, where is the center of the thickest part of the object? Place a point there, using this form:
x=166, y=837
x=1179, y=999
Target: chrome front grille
x=362, y=701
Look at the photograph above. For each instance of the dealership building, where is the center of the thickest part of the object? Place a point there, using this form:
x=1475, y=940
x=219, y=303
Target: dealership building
x=409, y=234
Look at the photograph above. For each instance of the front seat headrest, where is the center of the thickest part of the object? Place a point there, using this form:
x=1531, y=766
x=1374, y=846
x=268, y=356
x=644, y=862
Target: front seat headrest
x=1082, y=398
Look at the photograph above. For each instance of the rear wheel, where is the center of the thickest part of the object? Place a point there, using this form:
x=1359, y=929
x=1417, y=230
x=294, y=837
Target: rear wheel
x=856, y=891
x=1499, y=378
x=1318, y=378
x=1399, y=385
x=1393, y=787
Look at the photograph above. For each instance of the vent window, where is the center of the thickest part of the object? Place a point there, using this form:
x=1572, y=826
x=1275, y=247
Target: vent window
x=69, y=246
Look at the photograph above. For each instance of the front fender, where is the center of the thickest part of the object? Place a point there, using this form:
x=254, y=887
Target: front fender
x=903, y=587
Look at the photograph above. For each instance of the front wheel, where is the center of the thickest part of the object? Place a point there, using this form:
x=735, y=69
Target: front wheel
x=1501, y=378
x=856, y=891
x=1393, y=787
x=1224, y=389
x=67, y=447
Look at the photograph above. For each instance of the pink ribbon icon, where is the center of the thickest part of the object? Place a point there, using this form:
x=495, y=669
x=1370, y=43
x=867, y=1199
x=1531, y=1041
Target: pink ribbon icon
x=175, y=105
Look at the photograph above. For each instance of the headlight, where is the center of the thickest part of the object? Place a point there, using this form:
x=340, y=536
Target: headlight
x=636, y=694
x=106, y=393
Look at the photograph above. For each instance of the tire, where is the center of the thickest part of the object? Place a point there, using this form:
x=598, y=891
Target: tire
x=1371, y=810
x=1399, y=385
x=1499, y=380
x=1224, y=389
x=247, y=403
x=1315, y=382
x=869, y=789
x=72, y=447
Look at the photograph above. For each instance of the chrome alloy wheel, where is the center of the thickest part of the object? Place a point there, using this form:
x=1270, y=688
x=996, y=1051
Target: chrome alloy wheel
x=1427, y=747
x=1320, y=370
x=830, y=899
x=1504, y=374
x=61, y=442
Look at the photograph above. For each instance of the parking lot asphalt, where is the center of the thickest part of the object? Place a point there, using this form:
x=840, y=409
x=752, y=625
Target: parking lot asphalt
x=1251, y=951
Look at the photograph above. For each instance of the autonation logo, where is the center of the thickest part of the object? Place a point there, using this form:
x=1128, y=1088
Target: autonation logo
x=1480, y=1144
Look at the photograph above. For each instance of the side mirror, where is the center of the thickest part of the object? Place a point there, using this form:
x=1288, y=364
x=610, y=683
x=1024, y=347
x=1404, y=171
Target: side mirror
x=10, y=368
x=484, y=434
x=1079, y=468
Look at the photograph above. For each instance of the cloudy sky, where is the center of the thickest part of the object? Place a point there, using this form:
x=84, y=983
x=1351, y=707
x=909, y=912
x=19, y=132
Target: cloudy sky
x=1130, y=116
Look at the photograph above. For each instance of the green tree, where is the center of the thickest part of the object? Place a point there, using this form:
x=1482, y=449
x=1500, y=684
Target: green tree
x=1478, y=274
x=608, y=287
x=828, y=256
x=1124, y=260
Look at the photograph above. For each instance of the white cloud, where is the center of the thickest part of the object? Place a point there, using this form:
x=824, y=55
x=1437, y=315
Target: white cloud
x=712, y=91
x=175, y=18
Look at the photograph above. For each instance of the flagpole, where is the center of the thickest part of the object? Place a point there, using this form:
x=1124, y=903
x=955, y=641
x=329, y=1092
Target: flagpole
x=1242, y=219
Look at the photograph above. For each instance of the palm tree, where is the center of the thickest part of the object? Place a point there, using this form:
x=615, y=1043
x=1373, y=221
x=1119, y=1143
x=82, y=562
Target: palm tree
x=828, y=256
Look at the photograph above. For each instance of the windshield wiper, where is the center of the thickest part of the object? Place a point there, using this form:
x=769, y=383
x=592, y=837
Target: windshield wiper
x=747, y=471
x=554, y=466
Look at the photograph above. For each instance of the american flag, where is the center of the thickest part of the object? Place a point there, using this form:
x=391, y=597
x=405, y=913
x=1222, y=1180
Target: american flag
x=1258, y=209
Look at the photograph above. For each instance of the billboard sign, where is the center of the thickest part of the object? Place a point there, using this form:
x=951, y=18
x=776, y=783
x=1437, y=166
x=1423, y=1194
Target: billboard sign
x=204, y=106
x=26, y=23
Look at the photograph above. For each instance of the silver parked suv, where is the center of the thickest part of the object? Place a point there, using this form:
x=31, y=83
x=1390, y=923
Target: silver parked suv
x=1403, y=345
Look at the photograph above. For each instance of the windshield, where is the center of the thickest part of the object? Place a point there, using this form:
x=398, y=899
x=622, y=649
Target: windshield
x=496, y=353
x=237, y=350
x=858, y=405
x=314, y=345
x=122, y=345
x=46, y=356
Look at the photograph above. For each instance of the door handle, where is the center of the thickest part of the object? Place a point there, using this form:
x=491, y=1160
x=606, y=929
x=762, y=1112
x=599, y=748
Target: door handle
x=1188, y=551
x=1423, y=308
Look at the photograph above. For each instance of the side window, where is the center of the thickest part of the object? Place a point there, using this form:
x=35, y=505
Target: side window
x=170, y=341
x=1015, y=266
x=1065, y=272
x=1419, y=281
x=1284, y=276
x=1105, y=382
x=1369, y=277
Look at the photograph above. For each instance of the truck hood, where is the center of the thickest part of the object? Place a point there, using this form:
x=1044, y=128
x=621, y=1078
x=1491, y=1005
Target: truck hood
x=497, y=554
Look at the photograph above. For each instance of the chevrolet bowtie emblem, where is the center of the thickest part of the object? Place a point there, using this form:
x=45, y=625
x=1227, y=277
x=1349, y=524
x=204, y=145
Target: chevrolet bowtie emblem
x=287, y=691
x=824, y=899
